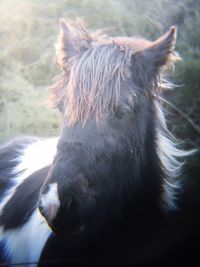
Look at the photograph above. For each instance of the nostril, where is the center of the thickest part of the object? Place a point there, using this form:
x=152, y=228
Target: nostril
x=49, y=211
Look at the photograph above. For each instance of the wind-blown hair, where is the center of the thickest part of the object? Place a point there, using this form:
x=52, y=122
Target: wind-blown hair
x=171, y=158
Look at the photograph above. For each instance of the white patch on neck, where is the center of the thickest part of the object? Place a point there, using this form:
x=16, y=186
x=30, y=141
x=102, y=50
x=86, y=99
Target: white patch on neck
x=33, y=157
x=50, y=201
x=170, y=157
x=25, y=244
x=37, y=155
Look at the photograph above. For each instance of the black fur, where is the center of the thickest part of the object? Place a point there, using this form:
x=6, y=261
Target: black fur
x=20, y=207
x=3, y=257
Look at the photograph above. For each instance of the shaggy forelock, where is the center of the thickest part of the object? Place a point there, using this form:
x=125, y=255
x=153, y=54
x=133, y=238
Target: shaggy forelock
x=94, y=82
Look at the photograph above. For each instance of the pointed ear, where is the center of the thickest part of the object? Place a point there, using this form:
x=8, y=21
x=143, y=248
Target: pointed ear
x=72, y=38
x=146, y=63
x=161, y=52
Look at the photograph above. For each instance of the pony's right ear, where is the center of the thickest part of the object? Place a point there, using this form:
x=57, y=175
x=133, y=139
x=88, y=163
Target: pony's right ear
x=67, y=44
x=162, y=52
x=148, y=62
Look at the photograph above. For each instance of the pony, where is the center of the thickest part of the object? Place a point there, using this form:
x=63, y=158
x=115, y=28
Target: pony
x=109, y=189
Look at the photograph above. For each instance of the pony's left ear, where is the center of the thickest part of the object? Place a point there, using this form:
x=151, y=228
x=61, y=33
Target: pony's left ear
x=147, y=62
x=73, y=37
x=66, y=43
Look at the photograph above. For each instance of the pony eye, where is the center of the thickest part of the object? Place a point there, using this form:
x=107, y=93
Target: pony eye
x=119, y=112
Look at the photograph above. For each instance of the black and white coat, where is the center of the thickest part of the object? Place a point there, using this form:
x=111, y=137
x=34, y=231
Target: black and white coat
x=24, y=232
x=24, y=163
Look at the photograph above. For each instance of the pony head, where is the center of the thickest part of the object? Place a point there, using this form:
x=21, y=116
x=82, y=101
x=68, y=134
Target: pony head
x=111, y=156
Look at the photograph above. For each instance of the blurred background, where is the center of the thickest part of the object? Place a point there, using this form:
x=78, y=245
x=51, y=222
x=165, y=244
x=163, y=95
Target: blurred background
x=29, y=31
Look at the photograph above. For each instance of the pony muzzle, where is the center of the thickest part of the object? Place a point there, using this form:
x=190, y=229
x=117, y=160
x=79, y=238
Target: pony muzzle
x=49, y=202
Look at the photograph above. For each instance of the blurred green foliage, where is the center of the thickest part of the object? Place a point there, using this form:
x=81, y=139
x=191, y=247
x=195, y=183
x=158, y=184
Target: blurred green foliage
x=29, y=30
